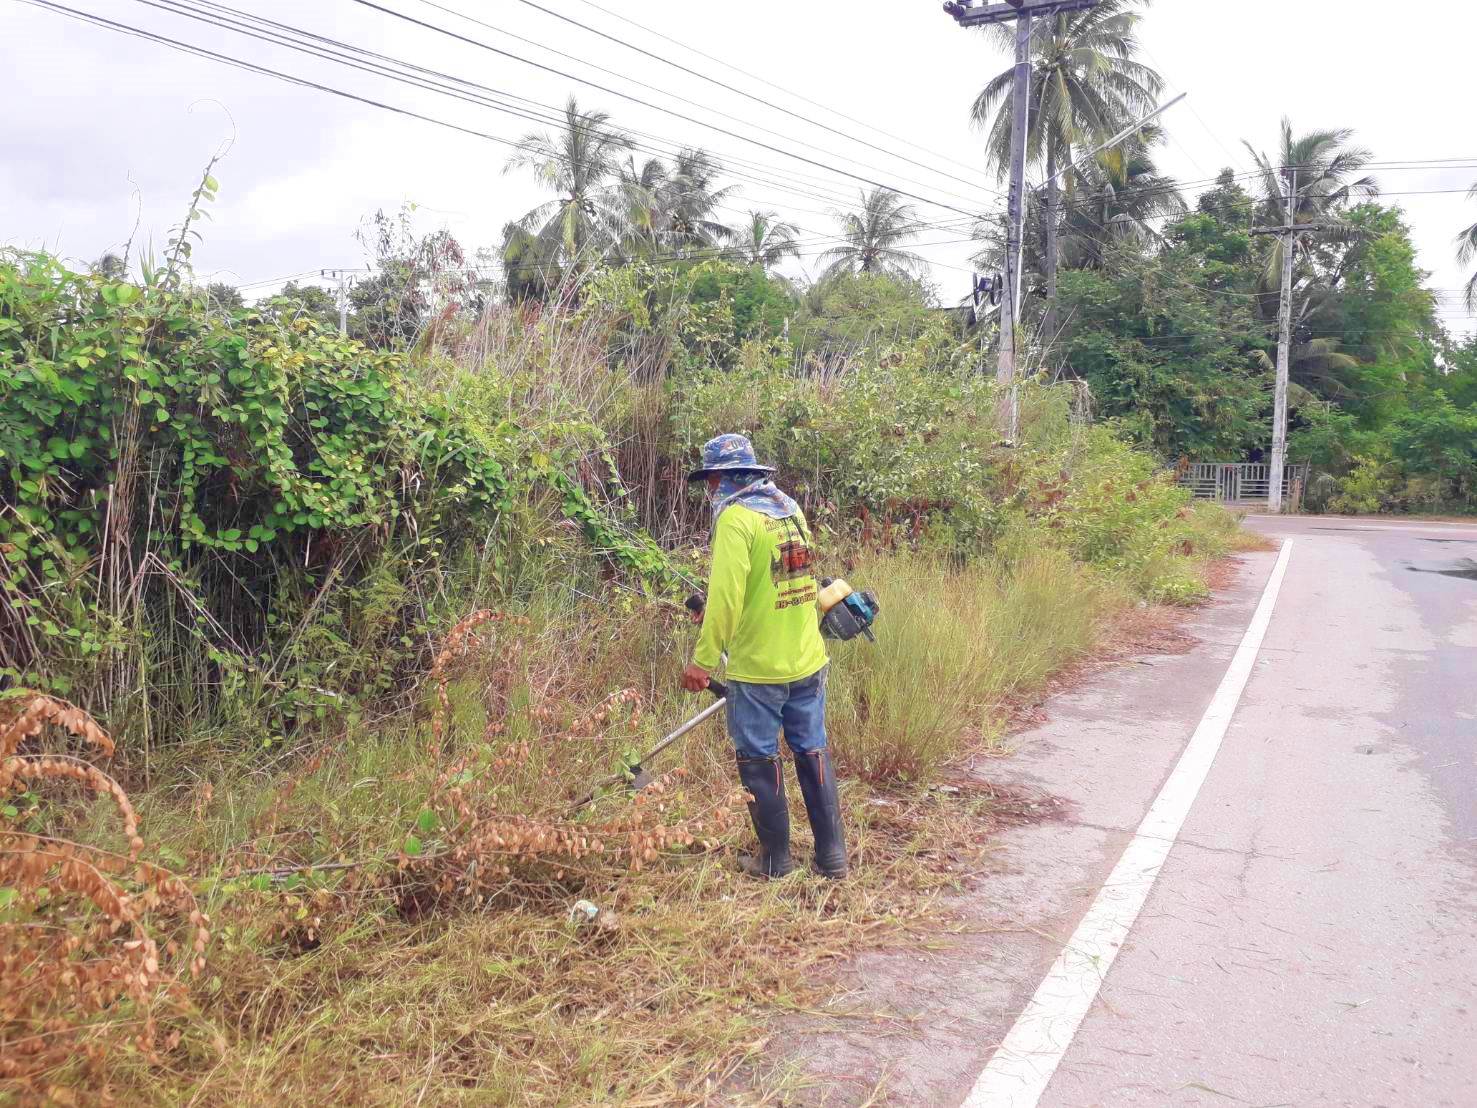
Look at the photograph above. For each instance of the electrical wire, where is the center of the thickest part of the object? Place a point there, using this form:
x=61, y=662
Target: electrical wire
x=330, y=49
x=730, y=88
x=822, y=239
x=657, y=107
x=779, y=88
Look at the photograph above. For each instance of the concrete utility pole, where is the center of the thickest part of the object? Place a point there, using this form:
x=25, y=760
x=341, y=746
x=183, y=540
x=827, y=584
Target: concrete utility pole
x=343, y=277
x=1288, y=236
x=1022, y=13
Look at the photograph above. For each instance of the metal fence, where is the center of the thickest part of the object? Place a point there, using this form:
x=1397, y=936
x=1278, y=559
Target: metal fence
x=1243, y=482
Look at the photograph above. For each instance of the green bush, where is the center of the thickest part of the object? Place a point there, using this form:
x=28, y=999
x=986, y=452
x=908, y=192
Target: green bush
x=167, y=469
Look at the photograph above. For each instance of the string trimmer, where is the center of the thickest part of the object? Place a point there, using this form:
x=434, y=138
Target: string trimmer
x=635, y=772
x=844, y=614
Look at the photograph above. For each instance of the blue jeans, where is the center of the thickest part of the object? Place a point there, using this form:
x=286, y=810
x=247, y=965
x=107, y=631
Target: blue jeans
x=757, y=713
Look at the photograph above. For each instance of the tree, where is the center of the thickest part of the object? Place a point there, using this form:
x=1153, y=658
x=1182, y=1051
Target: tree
x=873, y=236
x=1121, y=194
x=580, y=163
x=1167, y=354
x=111, y=267
x=531, y=266
x=851, y=311
x=1466, y=252
x=687, y=200
x=223, y=297
x=1326, y=164
x=296, y=301
x=1086, y=85
x=640, y=188
x=1328, y=178
x=765, y=240
x=419, y=284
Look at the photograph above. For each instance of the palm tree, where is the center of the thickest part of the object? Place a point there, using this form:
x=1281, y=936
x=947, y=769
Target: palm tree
x=1466, y=251
x=765, y=240
x=1329, y=176
x=581, y=164
x=532, y=268
x=1086, y=84
x=688, y=199
x=640, y=187
x=670, y=208
x=873, y=236
x=1121, y=193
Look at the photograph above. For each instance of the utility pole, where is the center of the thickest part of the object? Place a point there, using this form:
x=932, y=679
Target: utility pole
x=343, y=278
x=1288, y=236
x=1022, y=12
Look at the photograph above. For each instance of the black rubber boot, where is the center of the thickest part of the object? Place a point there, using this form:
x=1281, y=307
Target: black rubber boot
x=765, y=780
x=818, y=786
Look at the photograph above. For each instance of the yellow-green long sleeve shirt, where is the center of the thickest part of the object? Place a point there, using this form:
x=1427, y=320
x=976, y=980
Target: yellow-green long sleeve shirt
x=761, y=600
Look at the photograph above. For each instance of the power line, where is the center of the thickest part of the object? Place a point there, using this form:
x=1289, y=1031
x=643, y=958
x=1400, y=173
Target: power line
x=725, y=85
x=780, y=88
x=657, y=107
x=227, y=18
x=232, y=18
x=303, y=82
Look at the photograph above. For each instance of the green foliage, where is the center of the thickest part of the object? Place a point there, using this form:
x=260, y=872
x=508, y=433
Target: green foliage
x=255, y=435
x=760, y=304
x=295, y=301
x=1167, y=347
x=1369, y=487
x=170, y=471
x=851, y=312
x=1437, y=440
x=687, y=315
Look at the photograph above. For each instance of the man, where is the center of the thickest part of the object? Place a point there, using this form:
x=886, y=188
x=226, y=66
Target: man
x=761, y=612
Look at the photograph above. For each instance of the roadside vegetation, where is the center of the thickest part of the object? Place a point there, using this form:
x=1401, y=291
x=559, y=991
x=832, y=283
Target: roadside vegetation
x=349, y=630
x=313, y=643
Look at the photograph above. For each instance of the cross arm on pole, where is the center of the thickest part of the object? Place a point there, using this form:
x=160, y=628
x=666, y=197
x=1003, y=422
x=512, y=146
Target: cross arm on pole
x=970, y=15
x=1294, y=229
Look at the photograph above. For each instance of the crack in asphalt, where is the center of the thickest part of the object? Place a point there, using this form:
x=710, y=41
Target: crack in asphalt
x=1249, y=855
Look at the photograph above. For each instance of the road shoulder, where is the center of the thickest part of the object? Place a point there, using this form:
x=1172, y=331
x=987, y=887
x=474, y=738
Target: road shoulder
x=919, y=1024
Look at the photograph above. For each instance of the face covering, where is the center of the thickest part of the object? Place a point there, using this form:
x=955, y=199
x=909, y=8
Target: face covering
x=761, y=495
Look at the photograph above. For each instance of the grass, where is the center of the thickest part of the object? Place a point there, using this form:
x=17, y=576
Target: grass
x=954, y=646
x=386, y=982
x=511, y=1003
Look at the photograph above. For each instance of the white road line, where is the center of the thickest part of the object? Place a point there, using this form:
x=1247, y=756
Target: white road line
x=1017, y=1075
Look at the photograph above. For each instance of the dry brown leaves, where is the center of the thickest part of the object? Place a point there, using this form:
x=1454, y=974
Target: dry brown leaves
x=89, y=945
x=503, y=824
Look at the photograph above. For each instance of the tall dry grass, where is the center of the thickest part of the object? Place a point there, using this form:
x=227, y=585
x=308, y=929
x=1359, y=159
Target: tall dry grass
x=953, y=646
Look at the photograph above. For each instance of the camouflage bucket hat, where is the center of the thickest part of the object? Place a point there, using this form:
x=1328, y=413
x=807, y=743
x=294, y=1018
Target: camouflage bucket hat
x=727, y=453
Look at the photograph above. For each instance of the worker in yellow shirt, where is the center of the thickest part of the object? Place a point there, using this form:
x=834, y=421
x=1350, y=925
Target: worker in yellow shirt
x=761, y=612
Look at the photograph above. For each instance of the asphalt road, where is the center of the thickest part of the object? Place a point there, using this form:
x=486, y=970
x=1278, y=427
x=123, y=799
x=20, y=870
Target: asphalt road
x=1311, y=938
x=1318, y=943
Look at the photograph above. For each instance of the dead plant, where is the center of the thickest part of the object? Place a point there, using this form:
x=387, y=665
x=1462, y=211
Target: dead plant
x=90, y=939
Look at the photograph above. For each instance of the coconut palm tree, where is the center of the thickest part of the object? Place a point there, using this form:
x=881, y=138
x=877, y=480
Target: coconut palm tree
x=1120, y=196
x=873, y=236
x=765, y=240
x=1466, y=252
x=640, y=186
x=670, y=208
x=1328, y=169
x=1329, y=177
x=1086, y=84
x=689, y=199
x=581, y=164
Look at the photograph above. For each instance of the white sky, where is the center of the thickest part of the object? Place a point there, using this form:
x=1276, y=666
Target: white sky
x=98, y=129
